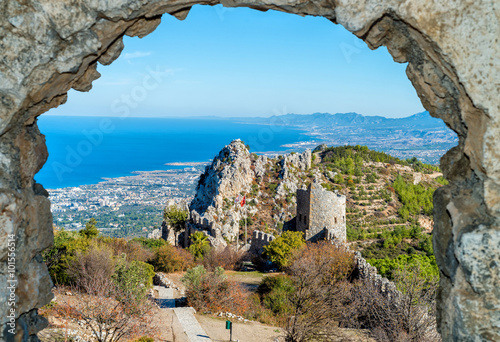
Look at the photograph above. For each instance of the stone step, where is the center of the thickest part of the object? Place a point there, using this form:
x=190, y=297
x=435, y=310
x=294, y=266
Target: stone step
x=192, y=328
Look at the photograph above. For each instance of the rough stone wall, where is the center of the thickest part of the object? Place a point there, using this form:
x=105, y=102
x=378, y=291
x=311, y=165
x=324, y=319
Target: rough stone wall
x=327, y=214
x=303, y=210
x=49, y=47
x=321, y=214
x=366, y=272
x=259, y=240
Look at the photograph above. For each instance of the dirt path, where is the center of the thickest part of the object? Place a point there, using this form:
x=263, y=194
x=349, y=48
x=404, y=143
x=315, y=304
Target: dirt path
x=244, y=332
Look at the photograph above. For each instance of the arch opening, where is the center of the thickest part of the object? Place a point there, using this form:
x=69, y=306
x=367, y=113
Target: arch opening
x=49, y=54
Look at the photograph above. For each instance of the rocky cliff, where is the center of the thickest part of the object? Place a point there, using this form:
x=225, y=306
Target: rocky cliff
x=235, y=173
x=227, y=177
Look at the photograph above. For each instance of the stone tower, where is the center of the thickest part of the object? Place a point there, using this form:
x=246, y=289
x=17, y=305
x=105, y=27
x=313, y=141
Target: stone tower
x=321, y=214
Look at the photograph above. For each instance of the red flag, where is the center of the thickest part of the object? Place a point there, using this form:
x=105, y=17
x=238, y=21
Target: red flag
x=243, y=201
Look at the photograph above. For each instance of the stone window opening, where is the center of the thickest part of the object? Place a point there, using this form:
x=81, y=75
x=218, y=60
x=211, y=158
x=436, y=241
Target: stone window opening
x=461, y=321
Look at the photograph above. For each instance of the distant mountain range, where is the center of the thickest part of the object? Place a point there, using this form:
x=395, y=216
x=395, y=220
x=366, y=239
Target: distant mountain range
x=418, y=135
x=419, y=120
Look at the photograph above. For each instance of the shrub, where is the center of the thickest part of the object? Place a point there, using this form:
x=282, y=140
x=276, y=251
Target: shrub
x=144, y=339
x=193, y=276
x=132, y=249
x=90, y=231
x=319, y=273
x=171, y=259
x=410, y=317
x=133, y=279
x=281, y=249
x=60, y=256
x=275, y=292
x=111, y=294
x=248, y=221
x=93, y=269
x=426, y=264
x=227, y=258
x=150, y=243
x=213, y=292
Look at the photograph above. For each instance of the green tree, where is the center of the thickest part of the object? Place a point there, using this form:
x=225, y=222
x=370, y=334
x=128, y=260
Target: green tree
x=58, y=258
x=152, y=244
x=426, y=264
x=200, y=246
x=281, y=249
x=90, y=231
x=134, y=279
x=176, y=217
x=275, y=293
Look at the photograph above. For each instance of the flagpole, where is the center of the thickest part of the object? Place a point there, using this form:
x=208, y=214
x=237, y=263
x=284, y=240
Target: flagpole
x=246, y=219
x=238, y=233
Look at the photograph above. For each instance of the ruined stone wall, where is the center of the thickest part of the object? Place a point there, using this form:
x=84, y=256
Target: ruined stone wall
x=451, y=47
x=321, y=214
x=259, y=240
x=303, y=211
x=366, y=272
x=327, y=217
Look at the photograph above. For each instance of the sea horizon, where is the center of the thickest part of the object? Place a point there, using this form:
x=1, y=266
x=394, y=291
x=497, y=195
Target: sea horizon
x=85, y=150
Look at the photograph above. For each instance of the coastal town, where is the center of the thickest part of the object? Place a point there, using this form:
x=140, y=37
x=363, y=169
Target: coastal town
x=130, y=205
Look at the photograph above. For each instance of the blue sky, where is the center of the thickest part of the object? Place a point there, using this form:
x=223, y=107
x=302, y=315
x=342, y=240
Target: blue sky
x=242, y=62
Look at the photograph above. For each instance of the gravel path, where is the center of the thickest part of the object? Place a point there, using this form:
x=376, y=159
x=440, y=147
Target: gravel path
x=188, y=323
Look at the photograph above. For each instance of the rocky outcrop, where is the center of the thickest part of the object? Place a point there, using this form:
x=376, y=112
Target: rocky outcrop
x=214, y=209
x=49, y=47
x=167, y=232
x=290, y=165
x=260, y=167
x=226, y=179
x=154, y=234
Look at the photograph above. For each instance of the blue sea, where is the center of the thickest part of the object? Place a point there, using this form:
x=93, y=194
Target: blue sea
x=83, y=150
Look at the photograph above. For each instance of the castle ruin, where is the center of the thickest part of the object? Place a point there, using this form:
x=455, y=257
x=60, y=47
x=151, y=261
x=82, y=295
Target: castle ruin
x=321, y=214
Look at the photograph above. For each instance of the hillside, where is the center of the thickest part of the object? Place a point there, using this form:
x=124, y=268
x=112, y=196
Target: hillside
x=389, y=201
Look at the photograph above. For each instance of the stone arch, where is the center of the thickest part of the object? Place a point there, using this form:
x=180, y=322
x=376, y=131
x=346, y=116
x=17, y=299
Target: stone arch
x=49, y=47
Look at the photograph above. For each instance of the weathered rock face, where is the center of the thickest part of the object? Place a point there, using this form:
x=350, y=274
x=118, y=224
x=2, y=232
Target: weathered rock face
x=291, y=163
x=224, y=180
x=49, y=47
x=167, y=232
x=216, y=210
x=227, y=176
